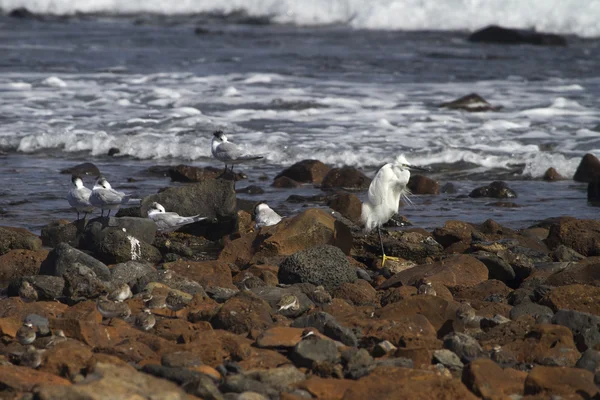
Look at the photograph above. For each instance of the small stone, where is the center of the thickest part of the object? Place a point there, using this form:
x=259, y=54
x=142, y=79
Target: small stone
x=311, y=350
x=448, y=359
x=382, y=348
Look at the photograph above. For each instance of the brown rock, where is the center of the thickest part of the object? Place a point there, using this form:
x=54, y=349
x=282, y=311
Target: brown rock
x=360, y=293
x=18, y=238
x=588, y=169
x=581, y=273
x=561, y=381
x=22, y=379
x=406, y=331
x=177, y=330
x=244, y=313
x=306, y=171
x=281, y=336
x=455, y=271
x=552, y=175
x=453, y=232
x=387, y=383
x=67, y=359
x=115, y=382
x=283, y=182
x=346, y=204
x=83, y=311
x=20, y=263
x=310, y=228
x=583, y=236
x=419, y=184
x=188, y=173
x=14, y=307
x=396, y=294
x=345, y=178
x=244, y=221
x=582, y=298
x=206, y=273
x=327, y=389
x=483, y=290
x=439, y=312
x=486, y=379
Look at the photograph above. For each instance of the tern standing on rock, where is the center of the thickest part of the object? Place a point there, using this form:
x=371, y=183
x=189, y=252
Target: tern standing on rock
x=79, y=197
x=265, y=216
x=169, y=221
x=106, y=198
x=227, y=152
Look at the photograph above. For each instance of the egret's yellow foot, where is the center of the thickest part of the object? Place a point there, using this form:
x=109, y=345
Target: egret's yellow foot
x=385, y=258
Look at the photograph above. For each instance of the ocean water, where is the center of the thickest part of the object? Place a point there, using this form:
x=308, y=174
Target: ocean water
x=340, y=81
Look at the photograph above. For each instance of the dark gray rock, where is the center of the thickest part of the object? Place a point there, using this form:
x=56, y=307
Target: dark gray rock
x=590, y=360
x=18, y=239
x=357, y=363
x=281, y=379
x=212, y=198
x=182, y=359
x=82, y=169
x=500, y=35
x=81, y=281
x=203, y=387
x=130, y=272
x=498, y=190
x=58, y=232
x=563, y=253
x=448, y=359
x=401, y=362
x=310, y=350
x=498, y=268
x=47, y=287
x=240, y=384
x=520, y=296
x=172, y=280
x=537, y=311
x=273, y=295
x=41, y=323
x=140, y=228
x=588, y=169
x=174, y=374
x=585, y=327
x=220, y=294
x=327, y=325
x=464, y=346
x=321, y=265
x=471, y=102
x=63, y=256
x=410, y=250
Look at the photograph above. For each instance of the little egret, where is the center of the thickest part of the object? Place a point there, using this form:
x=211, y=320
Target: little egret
x=385, y=192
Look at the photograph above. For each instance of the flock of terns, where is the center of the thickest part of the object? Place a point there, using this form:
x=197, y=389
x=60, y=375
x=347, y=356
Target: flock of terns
x=385, y=192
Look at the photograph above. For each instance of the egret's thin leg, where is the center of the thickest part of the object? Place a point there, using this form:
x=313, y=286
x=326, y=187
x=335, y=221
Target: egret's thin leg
x=77, y=215
x=381, y=242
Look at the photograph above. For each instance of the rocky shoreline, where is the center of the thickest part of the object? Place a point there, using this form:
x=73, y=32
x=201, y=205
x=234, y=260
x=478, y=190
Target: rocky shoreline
x=302, y=309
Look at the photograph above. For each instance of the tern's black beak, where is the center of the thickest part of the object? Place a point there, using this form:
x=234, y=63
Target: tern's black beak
x=415, y=168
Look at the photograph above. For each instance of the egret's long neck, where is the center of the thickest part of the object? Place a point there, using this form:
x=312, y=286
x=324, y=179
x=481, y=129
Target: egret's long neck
x=215, y=143
x=78, y=184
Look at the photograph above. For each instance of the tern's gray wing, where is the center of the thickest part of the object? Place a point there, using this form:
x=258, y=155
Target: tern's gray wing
x=79, y=197
x=109, y=196
x=267, y=218
x=227, y=152
x=172, y=221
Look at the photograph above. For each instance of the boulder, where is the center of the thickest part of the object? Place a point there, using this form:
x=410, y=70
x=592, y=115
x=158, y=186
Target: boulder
x=552, y=382
x=454, y=271
x=321, y=265
x=471, y=102
x=114, y=245
x=419, y=184
x=438, y=312
x=585, y=327
x=273, y=296
x=588, y=169
x=213, y=198
x=582, y=273
x=498, y=268
x=81, y=281
x=130, y=272
x=23, y=379
x=501, y=35
x=360, y=293
x=345, y=178
x=207, y=273
x=552, y=175
x=306, y=171
x=82, y=169
x=15, y=238
x=63, y=256
x=581, y=235
x=347, y=204
x=309, y=351
x=453, y=232
x=328, y=325
x=590, y=360
x=581, y=298
x=464, y=346
x=47, y=287
x=19, y=263
x=243, y=314
x=537, y=311
x=160, y=278
x=188, y=173
x=283, y=182
x=497, y=189
x=60, y=231
x=593, y=193
x=488, y=380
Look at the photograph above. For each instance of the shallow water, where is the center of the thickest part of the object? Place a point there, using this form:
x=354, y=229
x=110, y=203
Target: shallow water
x=72, y=89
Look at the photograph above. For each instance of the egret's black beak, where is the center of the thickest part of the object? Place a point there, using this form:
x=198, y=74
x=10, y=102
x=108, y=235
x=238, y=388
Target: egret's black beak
x=415, y=168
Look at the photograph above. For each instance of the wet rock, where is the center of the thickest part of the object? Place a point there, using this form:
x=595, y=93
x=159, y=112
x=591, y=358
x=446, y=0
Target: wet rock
x=464, y=346
x=243, y=314
x=115, y=381
x=454, y=271
x=552, y=175
x=501, y=35
x=448, y=359
x=488, y=380
x=557, y=381
x=207, y=273
x=413, y=246
x=593, y=193
x=497, y=189
x=419, y=184
x=346, y=204
x=274, y=296
x=19, y=263
x=585, y=327
x=213, y=198
x=60, y=231
x=15, y=238
x=82, y=169
x=63, y=256
x=130, y=272
x=471, y=102
x=252, y=189
x=113, y=151
x=453, y=232
x=23, y=379
x=345, y=178
x=283, y=182
x=449, y=188
x=360, y=293
x=583, y=236
x=308, y=351
x=81, y=281
x=187, y=173
x=588, y=169
x=306, y=171
x=328, y=325
x=113, y=245
x=590, y=360
x=322, y=265
x=537, y=311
